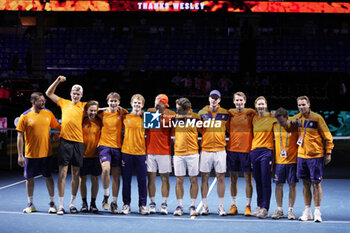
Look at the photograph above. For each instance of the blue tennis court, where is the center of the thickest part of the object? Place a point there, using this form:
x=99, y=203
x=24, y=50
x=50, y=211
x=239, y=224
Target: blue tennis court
x=335, y=203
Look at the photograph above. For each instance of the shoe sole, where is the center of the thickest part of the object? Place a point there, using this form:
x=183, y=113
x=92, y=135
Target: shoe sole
x=163, y=213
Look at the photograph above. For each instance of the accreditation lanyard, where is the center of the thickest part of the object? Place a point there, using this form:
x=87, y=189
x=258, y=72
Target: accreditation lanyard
x=281, y=137
x=306, y=125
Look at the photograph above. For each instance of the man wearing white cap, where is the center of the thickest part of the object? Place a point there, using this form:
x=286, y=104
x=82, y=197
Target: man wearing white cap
x=71, y=148
x=213, y=152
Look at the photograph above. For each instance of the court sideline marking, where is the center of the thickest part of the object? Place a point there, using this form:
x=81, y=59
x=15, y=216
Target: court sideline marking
x=221, y=219
x=201, y=203
x=19, y=182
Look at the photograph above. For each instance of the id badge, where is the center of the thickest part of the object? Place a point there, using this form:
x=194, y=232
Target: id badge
x=283, y=153
x=300, y=141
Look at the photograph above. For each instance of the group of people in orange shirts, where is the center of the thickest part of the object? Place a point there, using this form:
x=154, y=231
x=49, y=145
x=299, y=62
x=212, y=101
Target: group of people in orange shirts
x=103, y=141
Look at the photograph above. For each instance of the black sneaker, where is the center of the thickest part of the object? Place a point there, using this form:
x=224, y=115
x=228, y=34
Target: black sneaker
x=73, y=210
x=93, y=207
x=114, y=208
x=84, y=208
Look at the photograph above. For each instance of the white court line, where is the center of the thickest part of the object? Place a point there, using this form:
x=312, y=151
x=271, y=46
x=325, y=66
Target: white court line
x=19, y=182
x=201, y=203
x=219, y=219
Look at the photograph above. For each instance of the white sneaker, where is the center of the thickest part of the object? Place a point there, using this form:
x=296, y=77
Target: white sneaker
x=291, y=215
x=61, y=211
x=307, y=215
x=164, y=209
x=105, y=204
x=52, y=209
x=193, y=211
x=179, y=211
x=257, y=211
x=221, y=211
x=263, y=213
x=205, y=210
x=152, y=208
x=317, y=216
x=126, y=209
x=277, y=214
x=30, y=208
x=143, y=210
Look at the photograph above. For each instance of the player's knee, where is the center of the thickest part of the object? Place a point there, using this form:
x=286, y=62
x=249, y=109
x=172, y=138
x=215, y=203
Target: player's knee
x=179, y=180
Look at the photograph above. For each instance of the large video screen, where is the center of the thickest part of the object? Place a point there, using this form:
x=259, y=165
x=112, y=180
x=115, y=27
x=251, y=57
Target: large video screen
x=176, y=6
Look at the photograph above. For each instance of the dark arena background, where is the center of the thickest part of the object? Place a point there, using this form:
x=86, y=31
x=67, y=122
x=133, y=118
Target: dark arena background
x=277, y=49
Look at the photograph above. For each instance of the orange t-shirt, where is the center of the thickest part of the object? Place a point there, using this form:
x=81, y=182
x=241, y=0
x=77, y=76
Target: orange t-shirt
x=240, y=129
x=111, y=133
x=263, y=131
x=134, y=136
x=36, y=129
x=159, y=140
x=72, y=119
x=213, y=138
x=91, y=135
x=186, y=136
x=289, y=145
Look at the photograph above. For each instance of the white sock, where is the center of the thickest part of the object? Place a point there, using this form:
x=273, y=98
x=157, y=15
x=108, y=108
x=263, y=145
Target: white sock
x=308, y=208
x=179, y=201
x=153, y=199
x=221, y=201
x=193, y=202
x=52, y=199
x=106, y=192
x=61, y=201
x=72, y=201
x=164, y=200
x=290, y=208
x=317, y=207
x=204, y=201
x=30, y=199
x=114, y=199
x=233, y=200
x=279, y=208
x=249, y=201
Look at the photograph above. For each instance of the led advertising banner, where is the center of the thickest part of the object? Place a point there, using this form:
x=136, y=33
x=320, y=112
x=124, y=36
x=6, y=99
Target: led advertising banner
x=176, y=6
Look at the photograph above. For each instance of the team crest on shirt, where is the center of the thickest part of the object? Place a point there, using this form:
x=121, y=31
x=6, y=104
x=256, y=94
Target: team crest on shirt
x=30, y=121
x=245, y=118
x=47, y=119
x=127, y=121
x=70, y=106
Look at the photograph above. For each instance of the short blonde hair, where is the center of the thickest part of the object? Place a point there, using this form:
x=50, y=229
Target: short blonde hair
x=241, y=94
x=138, y=96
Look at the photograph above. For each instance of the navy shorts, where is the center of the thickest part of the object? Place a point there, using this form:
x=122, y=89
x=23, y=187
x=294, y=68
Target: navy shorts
x=285, y=172
x=310, y=169
x=110, y=154
x=91, y=166
x=70, y=152
x=37, y=166
x=237, y=161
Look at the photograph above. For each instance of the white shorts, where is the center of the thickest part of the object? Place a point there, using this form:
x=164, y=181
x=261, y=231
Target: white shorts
x=160, y=162
x=216, y=159
x=191, y=162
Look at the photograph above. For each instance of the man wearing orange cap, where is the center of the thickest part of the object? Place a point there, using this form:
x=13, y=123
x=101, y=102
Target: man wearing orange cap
x=158, y=153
